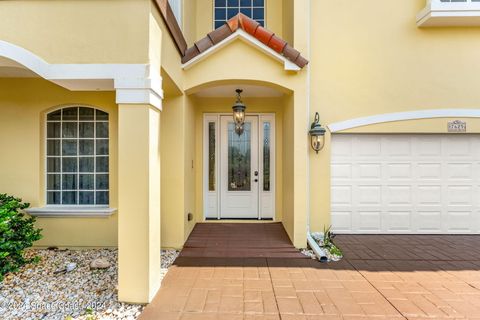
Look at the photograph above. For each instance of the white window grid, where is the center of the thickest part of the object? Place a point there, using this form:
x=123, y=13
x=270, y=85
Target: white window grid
x=77, y=156
x=239, y=7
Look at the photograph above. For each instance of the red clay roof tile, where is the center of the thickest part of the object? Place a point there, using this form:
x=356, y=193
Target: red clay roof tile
x=277, y=44
x=263, y=35
x=251, y=27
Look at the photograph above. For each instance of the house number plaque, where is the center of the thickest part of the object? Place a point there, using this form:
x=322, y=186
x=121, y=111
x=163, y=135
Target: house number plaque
x=457, y=126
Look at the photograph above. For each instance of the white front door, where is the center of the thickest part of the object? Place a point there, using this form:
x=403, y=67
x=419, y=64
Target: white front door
x=239, y=169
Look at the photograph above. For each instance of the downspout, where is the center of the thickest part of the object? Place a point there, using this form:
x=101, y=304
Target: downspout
x=319, y=252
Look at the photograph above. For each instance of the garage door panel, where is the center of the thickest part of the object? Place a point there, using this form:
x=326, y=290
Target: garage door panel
x=428, y=146
x=369, y=221
x=368, y=194
x=460, y=171
x=398, y=171
x=370, y=145
x=341, y=195
x=368, y=171
x=428, y=221
x=341, y=171
x=398, y=146
x=459, y=222
x=342, y=220
x=429, y=171
x=459, y=195
x=429, y=195
x=342, y=147
x=457, y=146
x=396, y=195
x=397, y=221
x=405, y=183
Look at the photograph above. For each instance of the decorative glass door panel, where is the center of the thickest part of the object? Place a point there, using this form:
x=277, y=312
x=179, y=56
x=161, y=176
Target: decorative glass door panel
x=239, y=166
x=239, y=158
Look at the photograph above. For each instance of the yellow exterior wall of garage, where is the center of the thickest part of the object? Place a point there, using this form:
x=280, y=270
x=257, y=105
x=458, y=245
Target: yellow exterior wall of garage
x=378, y=63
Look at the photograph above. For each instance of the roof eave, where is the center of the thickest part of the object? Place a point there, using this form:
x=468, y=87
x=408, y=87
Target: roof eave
x=247, y=38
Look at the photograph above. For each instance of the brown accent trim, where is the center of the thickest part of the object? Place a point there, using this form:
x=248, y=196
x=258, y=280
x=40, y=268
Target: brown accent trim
x=190, y=53
x=203, y=44
x=290, y=53
x=172, y=25
x=219, y=34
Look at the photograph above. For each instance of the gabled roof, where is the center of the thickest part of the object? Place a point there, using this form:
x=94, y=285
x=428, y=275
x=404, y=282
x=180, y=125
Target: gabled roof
x=251, y=27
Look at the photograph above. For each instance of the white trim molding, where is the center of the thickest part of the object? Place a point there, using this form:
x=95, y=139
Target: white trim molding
x=245, y=37
x=133, y=83
x=400, y=116
x=72, y=211
x=448, y=13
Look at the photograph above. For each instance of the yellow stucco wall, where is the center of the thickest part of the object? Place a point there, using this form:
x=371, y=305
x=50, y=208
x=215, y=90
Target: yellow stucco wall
x=172, y=177
x=190, y=168
x=288, y=162
x=223, y=67
x=287, y=20
x=189, y=21
x=23, y=105
x=178, y=170
x=378, y=62
x=71, y=31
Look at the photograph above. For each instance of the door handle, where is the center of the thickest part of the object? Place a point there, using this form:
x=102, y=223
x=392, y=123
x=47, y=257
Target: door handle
x=256, y=180
x=256, y=173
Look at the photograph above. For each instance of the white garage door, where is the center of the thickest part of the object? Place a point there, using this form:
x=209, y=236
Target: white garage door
x=405, y=183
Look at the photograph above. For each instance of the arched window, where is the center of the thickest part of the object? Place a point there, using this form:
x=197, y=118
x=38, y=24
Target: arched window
x=77, y=156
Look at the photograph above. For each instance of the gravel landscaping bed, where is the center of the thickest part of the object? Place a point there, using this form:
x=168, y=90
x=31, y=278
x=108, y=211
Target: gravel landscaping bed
x=40, y=291
x=332, y=252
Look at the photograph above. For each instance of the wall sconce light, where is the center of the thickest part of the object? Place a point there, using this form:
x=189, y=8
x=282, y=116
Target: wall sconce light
x=239, y=113
x=317, y=134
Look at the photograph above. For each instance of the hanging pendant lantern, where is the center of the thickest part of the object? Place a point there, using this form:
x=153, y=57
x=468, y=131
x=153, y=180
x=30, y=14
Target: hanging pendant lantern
x=239, y=113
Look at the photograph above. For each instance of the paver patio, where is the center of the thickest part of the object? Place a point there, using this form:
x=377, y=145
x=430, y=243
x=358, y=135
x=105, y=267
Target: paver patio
x=381, y=277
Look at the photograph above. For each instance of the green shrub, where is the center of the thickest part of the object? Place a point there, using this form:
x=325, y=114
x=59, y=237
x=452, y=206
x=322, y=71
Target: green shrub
x=328, y=236
x=17, y=232
x=328, y=242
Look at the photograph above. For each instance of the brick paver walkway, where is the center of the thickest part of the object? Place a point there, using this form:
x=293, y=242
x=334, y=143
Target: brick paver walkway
x=381, y=277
